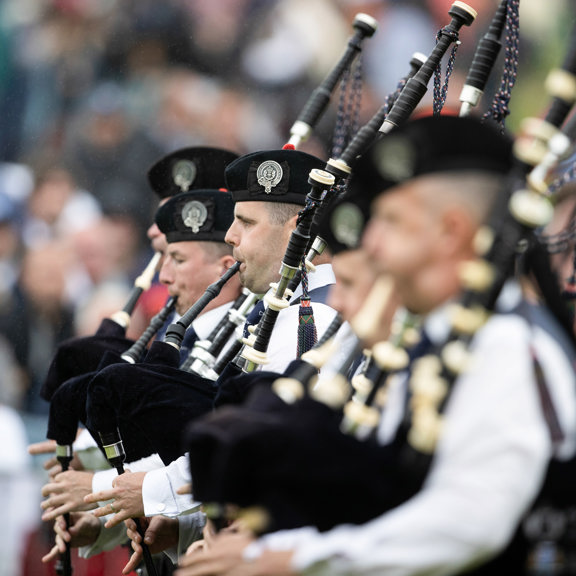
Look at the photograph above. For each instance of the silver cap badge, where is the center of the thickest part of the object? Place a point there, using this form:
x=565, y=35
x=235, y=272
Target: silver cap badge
x=184, y=173
x=269, y=174
x=347, y=223
x=194, y=215
x=397, y=159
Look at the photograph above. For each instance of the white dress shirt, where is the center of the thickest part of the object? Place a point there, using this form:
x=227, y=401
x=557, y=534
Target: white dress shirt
x=284, y=340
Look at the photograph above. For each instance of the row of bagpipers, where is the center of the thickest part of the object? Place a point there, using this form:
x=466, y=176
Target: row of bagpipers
x=404, y=401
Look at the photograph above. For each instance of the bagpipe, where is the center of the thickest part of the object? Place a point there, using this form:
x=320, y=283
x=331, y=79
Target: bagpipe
x=96, y=398
x=144, y=405
x=205, y=353
x=271, y=460
x=78, y=360
x=327, y=186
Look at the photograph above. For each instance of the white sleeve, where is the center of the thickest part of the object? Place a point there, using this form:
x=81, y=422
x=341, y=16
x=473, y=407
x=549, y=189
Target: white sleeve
x=159, y=490
x=102, y=480
x=190, y=527
x=488, y=468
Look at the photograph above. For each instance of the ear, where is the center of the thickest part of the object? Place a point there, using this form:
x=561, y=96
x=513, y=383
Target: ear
x=292, y=222
x=457, y=232
x=226, y=262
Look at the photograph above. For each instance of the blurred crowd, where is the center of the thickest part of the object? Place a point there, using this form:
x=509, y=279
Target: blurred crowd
x=93, y=92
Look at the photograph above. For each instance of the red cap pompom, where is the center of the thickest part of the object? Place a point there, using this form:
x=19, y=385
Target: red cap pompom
x=288, y=146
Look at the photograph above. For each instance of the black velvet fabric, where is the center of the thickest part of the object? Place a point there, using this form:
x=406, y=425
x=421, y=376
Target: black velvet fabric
x=68, y=403
x=234, y=386
x=293, y=461
x=150, y=403
x=78, y=356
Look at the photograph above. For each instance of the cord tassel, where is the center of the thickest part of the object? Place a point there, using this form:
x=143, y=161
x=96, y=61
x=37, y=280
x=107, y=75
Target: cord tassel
x=307, y=333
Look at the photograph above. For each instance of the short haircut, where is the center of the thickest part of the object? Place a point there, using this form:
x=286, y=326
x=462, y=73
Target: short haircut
x=280, y=212
x=475, y=191
x=215, y=250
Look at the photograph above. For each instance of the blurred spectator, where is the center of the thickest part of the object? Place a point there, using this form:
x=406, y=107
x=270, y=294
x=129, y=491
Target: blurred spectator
x=58, y=46
x=194, y=109
x=12, y=97
x=57, y=207
x=13, y=381
x=403, y=28
x=9, y=248
x=103, y=301
x=219, y=32
x=38, y=317
x=108, y=250
x=108, y=155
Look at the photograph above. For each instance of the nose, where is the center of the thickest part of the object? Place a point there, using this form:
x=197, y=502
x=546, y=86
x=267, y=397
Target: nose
x=370, y=239
x=231, y=235
x=165, y=275
x=153, y=231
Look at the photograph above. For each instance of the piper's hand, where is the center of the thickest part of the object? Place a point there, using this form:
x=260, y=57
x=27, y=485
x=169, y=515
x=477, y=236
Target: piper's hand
x=66, y=494
x=127, y=499
x=160, y=533
x=44, y=447
x=52, y=464
x=83, y=531
x=225, y=558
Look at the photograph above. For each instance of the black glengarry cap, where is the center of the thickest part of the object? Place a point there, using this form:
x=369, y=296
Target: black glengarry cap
x=429, y=145
x=195, y=216
x=272, y=176
x=193, y=168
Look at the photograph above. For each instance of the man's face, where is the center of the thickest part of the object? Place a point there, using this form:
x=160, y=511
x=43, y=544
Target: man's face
x=402, y=237
x=187, y=270
x=355, y=277
x=258, y=244
x=157, y=239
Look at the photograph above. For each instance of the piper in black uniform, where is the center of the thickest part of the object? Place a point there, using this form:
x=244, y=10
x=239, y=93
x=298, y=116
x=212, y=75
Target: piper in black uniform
x=489, y=447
